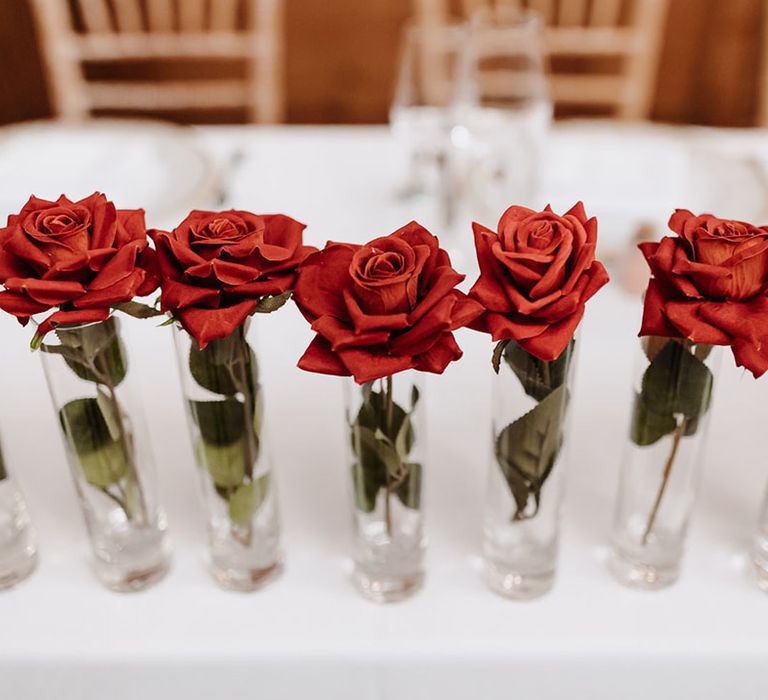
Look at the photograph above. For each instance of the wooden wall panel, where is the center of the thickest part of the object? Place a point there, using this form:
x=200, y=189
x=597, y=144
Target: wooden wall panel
x=341, y=58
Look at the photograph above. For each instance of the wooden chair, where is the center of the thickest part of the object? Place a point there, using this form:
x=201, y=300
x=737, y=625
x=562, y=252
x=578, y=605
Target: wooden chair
x=628, y=30
x=75, y=32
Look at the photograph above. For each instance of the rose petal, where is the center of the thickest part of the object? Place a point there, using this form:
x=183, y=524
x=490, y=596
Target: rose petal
x=205, y=325
x=367, y=366
x=738, y=320
x=177, y=295
x=49, y=292
x=123, y=290
x=20, y=304
x=122, y=264
x=549, y=344
x=80, y=316
x=489, y=289
x=270, y=286
x=752, y=356
x=685, y=317
x=319, y=358
x=515, y=327
x=341, y=336
x=363, y=322
x=322, y=279
x=440, y=355
x=444, y=279
x=421, y=336
x=578, y=211
x=19, y=244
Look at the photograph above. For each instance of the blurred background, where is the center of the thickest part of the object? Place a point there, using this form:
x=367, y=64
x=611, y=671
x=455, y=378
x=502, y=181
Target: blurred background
x=626, y=104
x=337, y=60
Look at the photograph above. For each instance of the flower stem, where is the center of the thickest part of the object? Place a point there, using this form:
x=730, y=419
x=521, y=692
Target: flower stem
x=127, y=447
x=676, y=437
x=242, y=383
x=389, y=407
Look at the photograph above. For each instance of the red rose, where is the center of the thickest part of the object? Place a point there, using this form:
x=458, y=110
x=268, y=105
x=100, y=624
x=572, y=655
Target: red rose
x=216, y=266
x=536, y=274
x=382, y=307
x=709, y=285
x=82, y=257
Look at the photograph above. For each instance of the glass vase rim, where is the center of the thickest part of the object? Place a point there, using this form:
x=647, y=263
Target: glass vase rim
x=77, y=326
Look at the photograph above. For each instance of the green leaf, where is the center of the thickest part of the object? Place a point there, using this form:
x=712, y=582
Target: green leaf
x=266, y=305
x=244, y=502
x=647, y=426
x=103, y=460
x=539, y=378
x=526, y=450
x=375, y=451
x=220, y=366
x=414, y=397
x=381, y=448
x=105, y=466
x=168, y=322
x=677, y=382
x=220, y=422
x=530, y=443
x=225, y=463
x=137, y=309
x=3, y=470
x=498, y=352
x=373, y=415
x=405, y=438
x=94, y=352
x=409, y=492
x=366, y=484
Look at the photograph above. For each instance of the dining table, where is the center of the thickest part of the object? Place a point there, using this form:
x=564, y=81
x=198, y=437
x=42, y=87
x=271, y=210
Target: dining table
x=309, y=634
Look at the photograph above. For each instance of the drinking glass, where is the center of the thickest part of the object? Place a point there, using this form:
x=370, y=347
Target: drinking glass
x=422, y=114
x=504, y=109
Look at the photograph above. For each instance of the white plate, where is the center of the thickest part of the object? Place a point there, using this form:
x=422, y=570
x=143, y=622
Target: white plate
x=137, y=164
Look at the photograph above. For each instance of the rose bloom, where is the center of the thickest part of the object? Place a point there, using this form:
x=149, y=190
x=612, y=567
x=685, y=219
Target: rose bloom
x=536, y=274
x=82, y=257
x=709, y=285
x=216, y=266
x=383, y=307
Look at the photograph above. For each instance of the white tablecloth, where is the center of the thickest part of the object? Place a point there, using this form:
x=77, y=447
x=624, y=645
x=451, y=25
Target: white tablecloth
x=309, y=634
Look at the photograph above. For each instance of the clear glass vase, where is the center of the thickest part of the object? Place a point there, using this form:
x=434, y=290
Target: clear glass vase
x=760, y=548
x=662, y=462
x=386, y=458
x=225, y=407
x=88, y=372
x=525, y=479
x=18, y=555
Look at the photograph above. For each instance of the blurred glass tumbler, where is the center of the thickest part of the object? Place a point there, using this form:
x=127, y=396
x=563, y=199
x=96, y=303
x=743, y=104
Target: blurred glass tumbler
x=422, y=112
x=226, y=418
x=88, y=371
x=18, y=556
x=386, y=457
x=760, y=548
x=530, y=422
x=662, y=463
x=503, y=104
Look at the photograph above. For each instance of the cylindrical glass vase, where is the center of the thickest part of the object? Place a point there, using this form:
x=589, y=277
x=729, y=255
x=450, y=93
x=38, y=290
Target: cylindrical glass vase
x=386, y=458
x=760, y=548
x=525, y=480
x=662, y=462
x=89, y=376
x=225, y=407
x=18, y=555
